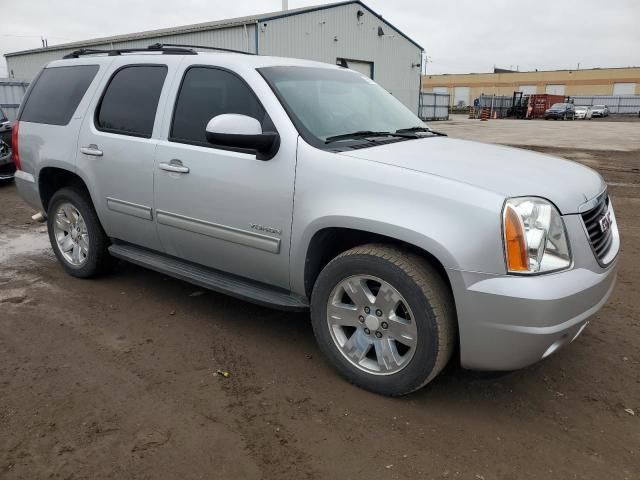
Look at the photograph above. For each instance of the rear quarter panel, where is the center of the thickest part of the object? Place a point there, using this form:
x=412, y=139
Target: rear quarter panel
x=43, y=145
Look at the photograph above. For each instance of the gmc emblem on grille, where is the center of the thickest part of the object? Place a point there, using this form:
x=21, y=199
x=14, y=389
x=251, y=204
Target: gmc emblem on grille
x=605, y=222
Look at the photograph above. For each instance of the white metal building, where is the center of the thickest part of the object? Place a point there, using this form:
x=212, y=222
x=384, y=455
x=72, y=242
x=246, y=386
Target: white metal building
x=330, y=33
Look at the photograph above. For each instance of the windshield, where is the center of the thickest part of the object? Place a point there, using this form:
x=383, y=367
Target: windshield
x=325, y=103
x=598, y=106
x=559, y=105
x=581, y=108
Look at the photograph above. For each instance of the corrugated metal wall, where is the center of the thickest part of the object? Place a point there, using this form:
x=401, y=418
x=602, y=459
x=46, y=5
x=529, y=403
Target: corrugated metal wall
x=323, y=35
x=238, y=38
x=328, y=34
x=11, y=93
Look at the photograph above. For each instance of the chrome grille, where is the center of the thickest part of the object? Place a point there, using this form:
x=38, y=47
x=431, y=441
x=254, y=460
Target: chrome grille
x=600, y=241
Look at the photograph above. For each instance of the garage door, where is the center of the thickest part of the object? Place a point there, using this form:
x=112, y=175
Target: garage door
x=554, y=89
x=461, y=96
x=365, y=68
x=528, y=89
x=624, y=88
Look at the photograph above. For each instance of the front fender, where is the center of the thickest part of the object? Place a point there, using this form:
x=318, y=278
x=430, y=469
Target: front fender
x=457, y=223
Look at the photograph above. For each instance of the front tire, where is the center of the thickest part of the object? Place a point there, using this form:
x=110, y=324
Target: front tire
x=384, y=318
x=76, y=235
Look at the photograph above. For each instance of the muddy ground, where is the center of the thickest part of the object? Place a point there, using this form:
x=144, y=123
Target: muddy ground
x=115, y=378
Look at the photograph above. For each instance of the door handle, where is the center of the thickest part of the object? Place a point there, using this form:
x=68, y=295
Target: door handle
x=174, y=165
x=91, y=150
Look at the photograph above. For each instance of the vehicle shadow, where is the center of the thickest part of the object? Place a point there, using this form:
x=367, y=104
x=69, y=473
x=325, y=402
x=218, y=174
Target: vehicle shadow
x=288, y=338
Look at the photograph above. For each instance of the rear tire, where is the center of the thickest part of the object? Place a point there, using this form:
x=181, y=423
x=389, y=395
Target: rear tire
x=411, y=321
x=76, y=235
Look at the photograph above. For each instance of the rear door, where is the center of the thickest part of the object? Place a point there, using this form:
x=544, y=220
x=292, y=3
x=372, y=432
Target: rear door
x=117, y=146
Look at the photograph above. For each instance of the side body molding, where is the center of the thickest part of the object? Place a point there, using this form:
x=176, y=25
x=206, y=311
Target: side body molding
x=129, y=208
x=221, y=232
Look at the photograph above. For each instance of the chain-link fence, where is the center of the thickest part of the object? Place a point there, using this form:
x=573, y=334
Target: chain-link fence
x=434, y=106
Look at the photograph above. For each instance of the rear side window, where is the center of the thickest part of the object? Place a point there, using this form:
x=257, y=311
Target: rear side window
x=57, y=93
x=206, y=93
x=130, y=101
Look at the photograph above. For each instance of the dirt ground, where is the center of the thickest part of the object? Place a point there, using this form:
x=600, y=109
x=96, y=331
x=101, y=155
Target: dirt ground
x=115, y=378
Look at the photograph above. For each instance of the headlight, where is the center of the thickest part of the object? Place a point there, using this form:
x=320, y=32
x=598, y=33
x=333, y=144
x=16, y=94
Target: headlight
x=535, y=240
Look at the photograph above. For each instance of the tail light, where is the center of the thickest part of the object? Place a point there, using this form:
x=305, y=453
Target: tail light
x=14, y=145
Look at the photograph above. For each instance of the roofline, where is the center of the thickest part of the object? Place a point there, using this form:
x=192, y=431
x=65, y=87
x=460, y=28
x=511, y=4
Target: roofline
x=232, y=22
x=530, y=71
x=147, y=34
x=340, y=4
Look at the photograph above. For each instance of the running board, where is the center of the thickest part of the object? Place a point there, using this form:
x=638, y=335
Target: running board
x=210, y=279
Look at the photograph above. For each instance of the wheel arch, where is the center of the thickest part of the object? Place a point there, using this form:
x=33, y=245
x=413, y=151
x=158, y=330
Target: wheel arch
x=52, y=179
x=327, y=242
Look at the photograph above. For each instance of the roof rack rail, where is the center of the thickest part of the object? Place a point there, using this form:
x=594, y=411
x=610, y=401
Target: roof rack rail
x=156, y=47
x=206, y=47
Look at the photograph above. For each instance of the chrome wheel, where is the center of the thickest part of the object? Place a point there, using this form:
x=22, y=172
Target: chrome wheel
x=70, y=232
x=372, y=324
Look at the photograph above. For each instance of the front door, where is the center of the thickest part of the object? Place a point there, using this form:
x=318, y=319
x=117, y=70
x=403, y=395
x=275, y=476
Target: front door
x=222, y=208
x=117, y=150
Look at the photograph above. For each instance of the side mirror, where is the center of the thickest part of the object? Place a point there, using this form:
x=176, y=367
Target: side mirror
x=233, y=130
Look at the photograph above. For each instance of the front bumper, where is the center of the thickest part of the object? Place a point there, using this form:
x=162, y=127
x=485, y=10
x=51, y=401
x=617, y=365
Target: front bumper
x=508, y=322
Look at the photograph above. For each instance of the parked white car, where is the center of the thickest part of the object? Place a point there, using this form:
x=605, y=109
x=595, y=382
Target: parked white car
x=600, y=111
x=583, y=112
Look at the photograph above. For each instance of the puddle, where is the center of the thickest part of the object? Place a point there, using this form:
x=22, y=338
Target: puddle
x=18, y=246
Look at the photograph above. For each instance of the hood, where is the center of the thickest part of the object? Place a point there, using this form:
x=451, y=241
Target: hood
x=512, y=172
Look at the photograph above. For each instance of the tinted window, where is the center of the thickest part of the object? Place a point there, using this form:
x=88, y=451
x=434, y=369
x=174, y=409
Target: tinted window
x=207, y=92
x=57, y=93
x=130, y=101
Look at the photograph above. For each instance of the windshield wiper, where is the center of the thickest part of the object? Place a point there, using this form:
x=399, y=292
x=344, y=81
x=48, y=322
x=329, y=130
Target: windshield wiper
x=367, y=133
x=421, y=129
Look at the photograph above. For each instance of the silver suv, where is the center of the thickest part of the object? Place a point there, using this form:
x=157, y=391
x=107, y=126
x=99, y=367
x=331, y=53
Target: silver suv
x=302, y=185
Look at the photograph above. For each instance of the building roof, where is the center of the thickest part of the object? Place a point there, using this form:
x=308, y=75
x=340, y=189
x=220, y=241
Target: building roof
x=217, y=24
x=509, y=72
